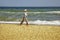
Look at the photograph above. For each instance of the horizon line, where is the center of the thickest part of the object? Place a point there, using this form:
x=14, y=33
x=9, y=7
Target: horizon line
x=29, y=6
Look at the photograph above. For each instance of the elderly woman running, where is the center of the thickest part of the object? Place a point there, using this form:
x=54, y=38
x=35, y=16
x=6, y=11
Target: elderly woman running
x=24, y=17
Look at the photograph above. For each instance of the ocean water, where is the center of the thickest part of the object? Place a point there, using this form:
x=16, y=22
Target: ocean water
x=40, y=15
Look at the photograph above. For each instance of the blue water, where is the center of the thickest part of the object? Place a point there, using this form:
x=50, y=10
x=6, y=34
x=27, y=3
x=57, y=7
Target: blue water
x=34, y=13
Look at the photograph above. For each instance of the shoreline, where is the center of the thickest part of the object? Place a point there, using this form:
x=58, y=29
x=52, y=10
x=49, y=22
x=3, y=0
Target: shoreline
x=31, y=23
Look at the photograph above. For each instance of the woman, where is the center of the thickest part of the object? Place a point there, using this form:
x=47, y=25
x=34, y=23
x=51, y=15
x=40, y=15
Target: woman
x=24, y=17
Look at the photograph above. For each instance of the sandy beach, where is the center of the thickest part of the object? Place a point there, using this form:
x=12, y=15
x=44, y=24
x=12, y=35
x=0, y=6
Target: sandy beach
x=30, y=32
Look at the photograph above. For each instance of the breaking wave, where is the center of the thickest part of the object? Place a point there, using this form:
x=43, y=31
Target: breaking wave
x=38, y=22
x=32, y=12
x=46, y=22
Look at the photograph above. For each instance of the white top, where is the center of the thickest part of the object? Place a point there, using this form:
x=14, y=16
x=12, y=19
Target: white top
x=25, y=13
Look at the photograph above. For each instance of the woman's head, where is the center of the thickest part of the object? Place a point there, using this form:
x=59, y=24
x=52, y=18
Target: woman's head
x=25, y=9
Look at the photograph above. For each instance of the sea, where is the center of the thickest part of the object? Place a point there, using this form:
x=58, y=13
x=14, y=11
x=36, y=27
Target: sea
x=36, y=15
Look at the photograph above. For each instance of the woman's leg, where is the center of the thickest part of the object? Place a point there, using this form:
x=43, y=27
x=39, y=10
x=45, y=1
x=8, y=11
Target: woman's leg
x=22, y=21
x=26, y=21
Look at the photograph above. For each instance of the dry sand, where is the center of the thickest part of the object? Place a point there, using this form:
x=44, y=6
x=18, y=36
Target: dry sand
x=30, y=32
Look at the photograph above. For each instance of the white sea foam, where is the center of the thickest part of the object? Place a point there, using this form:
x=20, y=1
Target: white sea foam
x=47, y=22
x=38, y=22
x=52, y=12
x=46, y=12
x=32, y=12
